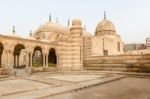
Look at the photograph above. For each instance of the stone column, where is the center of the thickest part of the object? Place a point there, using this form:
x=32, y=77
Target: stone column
x=46, y=60
x=16, y=60
x=43, y=60
x=7, y=53
x=31, y=59
x=27, y=59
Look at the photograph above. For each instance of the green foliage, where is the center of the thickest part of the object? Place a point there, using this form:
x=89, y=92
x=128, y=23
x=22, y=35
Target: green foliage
x=36, y=65
x=51, y=65
x=39, y=65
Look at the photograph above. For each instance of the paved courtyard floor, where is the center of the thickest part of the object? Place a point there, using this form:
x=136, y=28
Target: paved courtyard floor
x=75, y=78
x=20, y=85
x=126, y=88
x=75, y=86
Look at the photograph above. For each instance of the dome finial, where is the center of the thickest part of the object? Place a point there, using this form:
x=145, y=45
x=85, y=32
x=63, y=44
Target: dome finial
x=104, y=14
x=57, y=20
x=68, y=22
x=50, y=17
x=13, y=29
x=30, y=33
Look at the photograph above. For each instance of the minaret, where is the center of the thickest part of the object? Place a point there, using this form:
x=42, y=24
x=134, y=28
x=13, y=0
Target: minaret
x=104, y=14
x=50, y=17
x=77, y=45
x=13, y=29
x=30, y=33
x=68, y=22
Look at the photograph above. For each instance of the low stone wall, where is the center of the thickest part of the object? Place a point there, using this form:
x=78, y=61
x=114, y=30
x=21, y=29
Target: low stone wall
x=131, y=63
x=3, y=71
x=42, y=69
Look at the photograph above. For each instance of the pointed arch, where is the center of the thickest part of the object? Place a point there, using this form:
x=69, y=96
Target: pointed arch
x=37, y=58
x=52, y=58
x=17, y=50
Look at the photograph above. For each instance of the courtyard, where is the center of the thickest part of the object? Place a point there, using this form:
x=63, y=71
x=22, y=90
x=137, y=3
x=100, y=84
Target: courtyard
x=75, y=85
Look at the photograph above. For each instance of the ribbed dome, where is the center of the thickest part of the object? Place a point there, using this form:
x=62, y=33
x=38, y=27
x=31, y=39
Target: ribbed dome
x=53, y=27
x=105, y=27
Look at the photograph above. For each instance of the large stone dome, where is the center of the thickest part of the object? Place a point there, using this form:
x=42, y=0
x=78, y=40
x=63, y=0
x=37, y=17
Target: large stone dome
x=53, y=28
x=105, y=27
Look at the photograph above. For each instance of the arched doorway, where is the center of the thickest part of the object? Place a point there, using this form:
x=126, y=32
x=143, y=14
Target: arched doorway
x=19, y=49
x=1, y=52
x=52, y=59
x=37, y=58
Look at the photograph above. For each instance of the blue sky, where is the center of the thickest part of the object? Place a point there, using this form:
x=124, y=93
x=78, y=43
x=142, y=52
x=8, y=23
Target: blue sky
x=131, y=17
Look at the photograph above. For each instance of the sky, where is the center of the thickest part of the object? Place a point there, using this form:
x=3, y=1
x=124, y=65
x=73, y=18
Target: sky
x=130, y=17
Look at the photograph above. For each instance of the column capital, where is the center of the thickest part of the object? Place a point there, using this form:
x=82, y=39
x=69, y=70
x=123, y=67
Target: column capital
x=46, y=60
x=6, y=50
x=44, y=53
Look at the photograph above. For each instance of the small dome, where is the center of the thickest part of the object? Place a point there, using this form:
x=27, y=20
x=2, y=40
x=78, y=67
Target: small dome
x=105, y=27
x=76, y=22
x=53, y=27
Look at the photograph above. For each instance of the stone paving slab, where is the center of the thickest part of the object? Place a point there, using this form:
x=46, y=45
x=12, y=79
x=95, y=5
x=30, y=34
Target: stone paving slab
x=127, y=88
x=106, y=72
x=75, y=78
x=45, y=79
x=19, y=85
x=43, y=93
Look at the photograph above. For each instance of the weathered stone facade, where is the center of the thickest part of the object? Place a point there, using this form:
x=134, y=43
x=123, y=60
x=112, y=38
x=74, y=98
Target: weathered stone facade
x=70, y=48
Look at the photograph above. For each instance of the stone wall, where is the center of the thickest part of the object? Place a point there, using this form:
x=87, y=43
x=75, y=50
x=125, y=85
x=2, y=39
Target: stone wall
x=110, y=43
x=131, y=63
